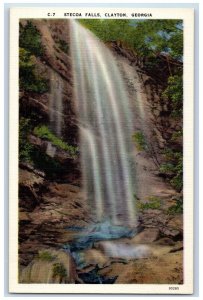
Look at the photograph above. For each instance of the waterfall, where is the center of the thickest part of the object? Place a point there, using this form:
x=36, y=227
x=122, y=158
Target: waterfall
x=56, y=103
x=105, y=122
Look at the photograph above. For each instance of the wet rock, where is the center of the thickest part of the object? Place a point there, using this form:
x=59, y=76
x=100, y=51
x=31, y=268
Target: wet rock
x=165, y=242
x=48, y=221
x=99, y=232
x=94, y=277
x=148, y=235
x=90, y=257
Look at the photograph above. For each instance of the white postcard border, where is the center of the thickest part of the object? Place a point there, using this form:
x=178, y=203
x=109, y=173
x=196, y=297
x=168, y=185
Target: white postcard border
x=187, y=14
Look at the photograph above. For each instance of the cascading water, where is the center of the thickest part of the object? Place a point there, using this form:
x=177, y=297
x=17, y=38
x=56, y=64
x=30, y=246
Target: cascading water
x=106, y=129
x=56, y=103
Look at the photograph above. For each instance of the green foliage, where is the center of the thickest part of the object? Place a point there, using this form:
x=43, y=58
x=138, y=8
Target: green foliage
x=153, y=203
x=159, y=36
x=139, y=140
x=106, y=30
x=37, y=86
x=177, y=208
x=167, y=168
x=173, y=168
x=29, y=153
x=176, y=44
x=45, y=133
x=59, y=270
x=63, y=46
x=30, y=39
x=25, y=148
x=153, y=40
x=30, y=81
x=174, y=93
x=45, y=255
x=25, y=59
x=172, y=155
x=146, y=37
x=177, y=180
x=154, y=199
x=177, y=135
x=30, y=46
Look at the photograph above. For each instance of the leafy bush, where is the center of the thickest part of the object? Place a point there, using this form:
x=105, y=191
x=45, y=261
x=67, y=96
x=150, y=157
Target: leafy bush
x=173, y=168
x=139, y=140
x=25, y=59
x=174, y=92
x=45, y=256
x=177, y=180
x=30, y=46
x=154, y=199
x=45, y=133
x=30, y=39
x=30, y=81
x=25, y=148
x=167, y=169
x=59, y=270
x=176, y=135
x=177, y=208
x=153, y=203
x=29, y=153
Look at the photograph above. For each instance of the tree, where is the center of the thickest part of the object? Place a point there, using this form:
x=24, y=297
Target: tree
x=146, y=37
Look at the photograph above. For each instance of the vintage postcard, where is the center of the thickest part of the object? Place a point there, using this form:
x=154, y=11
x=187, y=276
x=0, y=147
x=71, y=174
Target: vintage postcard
x=101, y=150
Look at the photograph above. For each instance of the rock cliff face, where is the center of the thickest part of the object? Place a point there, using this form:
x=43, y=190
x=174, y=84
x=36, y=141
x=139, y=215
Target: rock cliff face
x=50, y=193
x=45, y=206
x=55, y=66
x=153, y=122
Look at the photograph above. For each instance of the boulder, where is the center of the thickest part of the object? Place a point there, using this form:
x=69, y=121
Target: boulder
x=30, y=184
x=49, y=223
x=91, y=257
x=147, y=236
x=177, y=247
x=176, y=222
x=51, y=150
x=50, y=266
x=165, y=269
x=165, y=241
